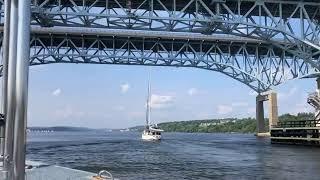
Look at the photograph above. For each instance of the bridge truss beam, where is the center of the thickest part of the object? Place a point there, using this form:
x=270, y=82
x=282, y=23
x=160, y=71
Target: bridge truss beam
x=296, y=22
x=257, y=66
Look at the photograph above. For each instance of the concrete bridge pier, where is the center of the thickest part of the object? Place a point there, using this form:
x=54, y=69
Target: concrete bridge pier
x=273, y=111
x=260, y=114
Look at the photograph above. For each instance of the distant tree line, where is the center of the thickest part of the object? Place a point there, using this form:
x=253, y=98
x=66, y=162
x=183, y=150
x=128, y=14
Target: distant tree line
x=244, y=125
x=58, y=128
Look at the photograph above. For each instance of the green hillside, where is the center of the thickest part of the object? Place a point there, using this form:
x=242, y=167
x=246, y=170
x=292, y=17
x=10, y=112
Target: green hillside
x=244, y=125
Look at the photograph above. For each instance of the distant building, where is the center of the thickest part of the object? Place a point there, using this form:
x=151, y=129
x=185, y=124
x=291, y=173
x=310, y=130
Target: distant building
x=222, y=121
x=208, y=124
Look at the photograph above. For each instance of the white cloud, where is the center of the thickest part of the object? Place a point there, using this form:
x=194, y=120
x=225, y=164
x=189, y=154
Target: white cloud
x=193, y=91
x=159, y=101
x=240, y=104
x=224, y=109
x=124, y=87
x=56, y=92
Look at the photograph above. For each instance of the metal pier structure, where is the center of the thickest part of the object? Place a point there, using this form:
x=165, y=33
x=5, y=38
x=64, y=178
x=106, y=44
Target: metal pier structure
x=261, y=43
x=306, y=132
x=296, y=132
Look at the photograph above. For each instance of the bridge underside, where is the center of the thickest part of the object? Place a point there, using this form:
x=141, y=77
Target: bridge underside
x=259, y=43
x=257, y=64
x=293, y=21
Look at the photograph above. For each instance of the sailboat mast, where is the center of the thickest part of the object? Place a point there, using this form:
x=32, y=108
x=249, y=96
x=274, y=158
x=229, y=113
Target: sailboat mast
x=148, y=101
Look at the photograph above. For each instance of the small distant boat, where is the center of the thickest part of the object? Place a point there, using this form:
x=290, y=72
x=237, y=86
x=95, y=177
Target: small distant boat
x=151, y=131
x=124, y=130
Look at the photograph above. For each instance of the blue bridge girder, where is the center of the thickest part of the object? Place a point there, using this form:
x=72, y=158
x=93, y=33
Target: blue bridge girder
x=296, y=22
x=251, y=62
x=261, y=43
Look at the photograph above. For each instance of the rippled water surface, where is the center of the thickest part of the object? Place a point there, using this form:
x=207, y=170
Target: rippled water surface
x=177, y=156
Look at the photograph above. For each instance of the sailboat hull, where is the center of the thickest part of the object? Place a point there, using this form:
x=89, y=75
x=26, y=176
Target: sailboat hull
x=150, y=137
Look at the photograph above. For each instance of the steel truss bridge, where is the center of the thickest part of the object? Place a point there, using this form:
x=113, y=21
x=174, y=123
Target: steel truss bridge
x=261, y=43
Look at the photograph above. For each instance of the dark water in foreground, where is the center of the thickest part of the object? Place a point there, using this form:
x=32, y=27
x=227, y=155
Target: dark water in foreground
x=177, y=156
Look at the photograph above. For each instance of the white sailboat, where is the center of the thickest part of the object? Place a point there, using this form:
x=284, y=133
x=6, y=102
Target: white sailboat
x=151, y=131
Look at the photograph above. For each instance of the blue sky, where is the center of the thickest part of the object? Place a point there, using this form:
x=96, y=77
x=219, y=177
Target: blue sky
x=114, y=96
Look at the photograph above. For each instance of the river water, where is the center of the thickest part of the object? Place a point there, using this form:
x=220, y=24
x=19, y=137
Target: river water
x=177, y=156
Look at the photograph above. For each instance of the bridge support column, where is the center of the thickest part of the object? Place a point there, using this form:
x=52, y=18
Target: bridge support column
x=273, y=111
x=260, y=114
